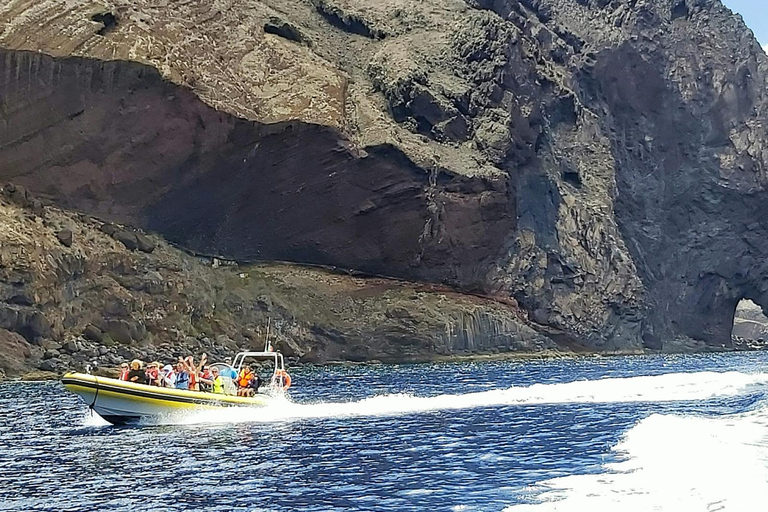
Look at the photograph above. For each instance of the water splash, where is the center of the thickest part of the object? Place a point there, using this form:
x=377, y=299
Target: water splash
x=91, y=419
x=661, y=388
x=673, y=463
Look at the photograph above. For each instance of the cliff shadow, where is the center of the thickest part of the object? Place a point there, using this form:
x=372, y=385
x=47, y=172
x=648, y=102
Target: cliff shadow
x=114, y=139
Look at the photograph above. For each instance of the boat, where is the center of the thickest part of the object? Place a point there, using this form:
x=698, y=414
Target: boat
x=122, y=403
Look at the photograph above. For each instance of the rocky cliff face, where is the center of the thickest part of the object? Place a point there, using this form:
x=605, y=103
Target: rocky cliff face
x=74, y=290
x=601, y=162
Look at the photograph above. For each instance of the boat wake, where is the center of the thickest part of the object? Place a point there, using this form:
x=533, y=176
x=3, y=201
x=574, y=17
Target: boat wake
x=672, y=463
x=664, y=463
x=661, y=388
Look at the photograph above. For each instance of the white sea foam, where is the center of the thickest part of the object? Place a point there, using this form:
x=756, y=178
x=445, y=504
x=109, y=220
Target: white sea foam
x=91, y=419
x=661, y=388
x=673, y=463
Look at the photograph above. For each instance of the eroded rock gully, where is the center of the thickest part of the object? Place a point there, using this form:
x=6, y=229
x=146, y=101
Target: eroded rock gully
x=601, y=162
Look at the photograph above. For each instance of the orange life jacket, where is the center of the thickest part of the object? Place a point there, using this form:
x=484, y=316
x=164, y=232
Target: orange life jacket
x=246, y=376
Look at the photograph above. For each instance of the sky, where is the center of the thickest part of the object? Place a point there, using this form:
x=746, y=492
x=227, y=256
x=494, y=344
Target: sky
x=755, y=14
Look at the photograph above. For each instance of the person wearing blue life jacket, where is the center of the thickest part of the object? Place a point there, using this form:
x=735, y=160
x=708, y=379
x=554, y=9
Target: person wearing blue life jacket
x=182, y=376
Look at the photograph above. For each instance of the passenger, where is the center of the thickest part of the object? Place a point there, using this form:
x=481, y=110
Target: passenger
x=136, y=374
x=229, y=371
x=206, y=379
x=244, y=386
x=153, y=374
x=182, y=375
x=217, y=382
x=124, y=371
x=168, y=377
x=255, y=384
x=194, y=371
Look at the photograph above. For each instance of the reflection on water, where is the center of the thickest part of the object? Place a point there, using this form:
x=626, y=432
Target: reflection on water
x=543, y=435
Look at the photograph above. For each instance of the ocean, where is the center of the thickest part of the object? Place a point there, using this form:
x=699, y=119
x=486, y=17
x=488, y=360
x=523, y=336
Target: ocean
x=655, y=433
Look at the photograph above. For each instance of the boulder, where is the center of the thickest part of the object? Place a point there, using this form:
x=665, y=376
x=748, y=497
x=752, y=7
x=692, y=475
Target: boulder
x=125, y=331
x=126, y=238
x=65, y=237
x=93, y=333
x=119, y=330
x=50, y=354
x=14, y=353
x=89, y=352
x=51, y=365
x=37, y=208
x=71, y=346
x=50, y=345
x=38, y=325
x=289, y=348
x=17, y=194
x=145, y=244
x=109, y=229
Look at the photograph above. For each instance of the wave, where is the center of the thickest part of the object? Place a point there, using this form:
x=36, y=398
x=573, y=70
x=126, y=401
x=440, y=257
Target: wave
x=659, y=388
x=673, y=463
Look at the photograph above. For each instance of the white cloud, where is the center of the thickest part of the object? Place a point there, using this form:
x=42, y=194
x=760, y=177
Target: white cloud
x=765, y=48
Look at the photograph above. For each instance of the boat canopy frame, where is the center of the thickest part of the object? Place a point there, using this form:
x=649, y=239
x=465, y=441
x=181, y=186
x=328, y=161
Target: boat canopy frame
x=277, y=357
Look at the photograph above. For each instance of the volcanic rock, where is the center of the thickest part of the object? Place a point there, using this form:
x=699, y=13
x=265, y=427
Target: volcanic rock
x=144, y=243
x=282, y=28
x=602, y=163
x=65, y=237
x=93, y=333
x=109, y=229
x=71, y=346
x=17, y=194
x=127, y=238
x=14, y=351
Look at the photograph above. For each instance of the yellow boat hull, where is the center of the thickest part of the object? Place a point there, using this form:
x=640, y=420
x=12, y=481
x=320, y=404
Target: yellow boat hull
x=120, y=402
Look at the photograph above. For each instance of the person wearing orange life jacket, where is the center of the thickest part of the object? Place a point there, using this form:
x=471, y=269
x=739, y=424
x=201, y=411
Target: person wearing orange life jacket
x=244, y=386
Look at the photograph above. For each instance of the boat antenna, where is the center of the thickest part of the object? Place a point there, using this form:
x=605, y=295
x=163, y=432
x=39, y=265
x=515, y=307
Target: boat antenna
x=266, y=338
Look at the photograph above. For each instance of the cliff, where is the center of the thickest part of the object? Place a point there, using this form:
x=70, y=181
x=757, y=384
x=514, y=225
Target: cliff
x=76, y=290
x=601, y=163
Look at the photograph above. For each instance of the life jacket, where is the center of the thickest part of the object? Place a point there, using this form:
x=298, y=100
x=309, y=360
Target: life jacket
x=204, y=386
x=169, y=379
x=152, y=375
x=218, y=385
x=245, y=378
x=124, y=373
x=182, y=380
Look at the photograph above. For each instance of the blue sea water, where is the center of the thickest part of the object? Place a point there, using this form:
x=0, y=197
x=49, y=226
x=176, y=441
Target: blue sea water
x=677, y=433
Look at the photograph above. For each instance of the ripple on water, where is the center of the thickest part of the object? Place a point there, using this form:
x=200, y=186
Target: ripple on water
x=432, y=450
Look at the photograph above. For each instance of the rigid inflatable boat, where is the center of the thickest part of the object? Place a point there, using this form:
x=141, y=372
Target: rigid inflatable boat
x=121, y=402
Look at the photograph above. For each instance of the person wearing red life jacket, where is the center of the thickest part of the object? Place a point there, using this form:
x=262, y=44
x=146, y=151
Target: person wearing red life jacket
x=153, y=374
x=124, y=371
